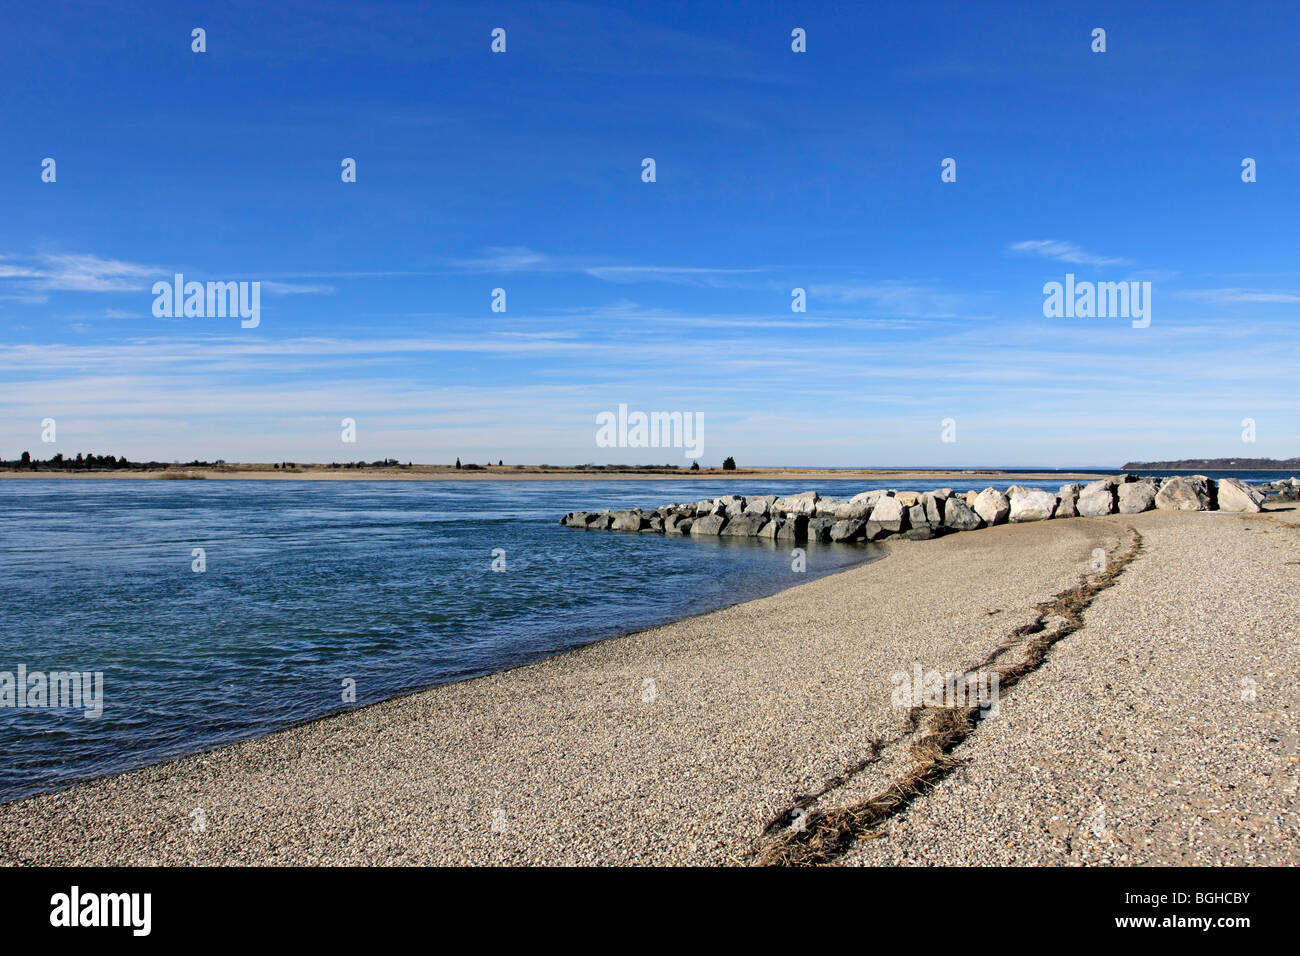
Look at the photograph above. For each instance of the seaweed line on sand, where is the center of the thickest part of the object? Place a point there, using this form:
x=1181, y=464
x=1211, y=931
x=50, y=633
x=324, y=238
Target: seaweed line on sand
x=934, y=732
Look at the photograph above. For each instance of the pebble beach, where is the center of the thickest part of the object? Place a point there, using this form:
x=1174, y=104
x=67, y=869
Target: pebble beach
x=1161, y=730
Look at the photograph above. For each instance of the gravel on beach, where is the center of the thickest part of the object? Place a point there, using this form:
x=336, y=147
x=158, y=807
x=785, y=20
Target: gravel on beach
x=1133, y=743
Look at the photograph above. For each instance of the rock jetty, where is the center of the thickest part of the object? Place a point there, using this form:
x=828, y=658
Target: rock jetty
x=873, y=515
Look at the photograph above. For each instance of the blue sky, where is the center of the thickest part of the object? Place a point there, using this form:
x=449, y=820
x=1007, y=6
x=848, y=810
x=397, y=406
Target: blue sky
x=775, y=170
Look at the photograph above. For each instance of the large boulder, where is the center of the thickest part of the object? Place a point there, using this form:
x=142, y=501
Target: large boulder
x=919, y=526
x=794, y=528
x=1067, y=501
x=819, y=529
x=828, y=507
x=888, y=513
x=907, y=498
x=848, y=529
x=628, y=521
x=804, y=503
x=576, y=519
x=742, y=526
x=677, y=524
x=1236, y=495
x=1184, y=493
x=958, y=516
x=1136, y=497
x=1097, y=498
x=709, y=524
x=933, y=505
x=859, y=506
x=1032, y=504
x=729, y=505
x=992, y=506
x=770, y=529
x=758, y=507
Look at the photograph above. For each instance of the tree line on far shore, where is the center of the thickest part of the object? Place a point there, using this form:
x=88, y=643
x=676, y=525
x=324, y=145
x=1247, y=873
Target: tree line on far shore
x=85, y=461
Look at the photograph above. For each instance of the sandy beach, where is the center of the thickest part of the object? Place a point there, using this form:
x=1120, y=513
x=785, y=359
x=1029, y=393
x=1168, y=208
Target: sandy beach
x=1159, y=728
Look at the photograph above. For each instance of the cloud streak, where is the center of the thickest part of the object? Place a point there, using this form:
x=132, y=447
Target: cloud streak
x=1063, y=251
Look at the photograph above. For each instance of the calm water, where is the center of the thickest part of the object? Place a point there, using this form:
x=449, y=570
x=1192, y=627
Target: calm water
x=310, y=583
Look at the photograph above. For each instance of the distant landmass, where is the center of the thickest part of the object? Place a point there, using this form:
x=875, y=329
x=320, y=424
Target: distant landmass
x=1215, y=464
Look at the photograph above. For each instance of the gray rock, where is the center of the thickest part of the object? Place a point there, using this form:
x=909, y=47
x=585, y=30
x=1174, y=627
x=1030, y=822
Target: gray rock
x=709, y=524
x=1136, y=497
x=1183, y=493
x=916, y=517
x=677, y=524
x=758, y=507
x=734, y=504
x=628, y=521
x=1032, y=504
x=819, y=529
x=859, y=506
x=794, y=528
x=888, y=513
x=933, y=505
x=804, y=503
x=875, y=530
x=848, y=529
x=601, y=522
x=1097, y=498
x=770, y=529
x=1236, y=495
x=828, y=507
x=992, y=506
x=958, y=516
x=1068, y=501
x=742, y=526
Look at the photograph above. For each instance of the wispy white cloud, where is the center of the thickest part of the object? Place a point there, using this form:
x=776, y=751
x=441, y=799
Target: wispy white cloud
x=505, y=259
x=515, y=259
x=49, y=272
x=896, y=296
x=293, y=288
x=1240, y=295
x=681, y=275
x=33, y=277
x=1063, y=251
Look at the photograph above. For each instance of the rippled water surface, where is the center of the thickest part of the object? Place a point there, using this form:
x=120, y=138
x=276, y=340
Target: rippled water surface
x=311, y=583
x=389, y=584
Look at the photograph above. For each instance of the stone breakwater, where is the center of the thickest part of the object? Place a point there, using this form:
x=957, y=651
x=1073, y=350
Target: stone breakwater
x=873, y=515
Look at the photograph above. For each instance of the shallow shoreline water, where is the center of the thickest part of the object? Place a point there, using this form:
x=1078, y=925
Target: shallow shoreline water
x=680, y=744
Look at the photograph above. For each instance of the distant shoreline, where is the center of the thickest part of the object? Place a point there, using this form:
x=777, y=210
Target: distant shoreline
x=499, y=473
